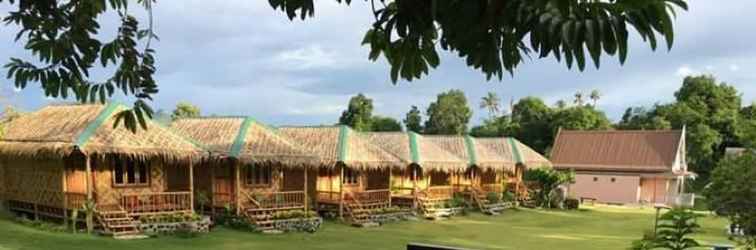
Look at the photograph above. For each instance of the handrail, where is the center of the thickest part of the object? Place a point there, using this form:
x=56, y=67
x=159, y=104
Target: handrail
x=156, y=202
x=251, y=199
x=277, y=199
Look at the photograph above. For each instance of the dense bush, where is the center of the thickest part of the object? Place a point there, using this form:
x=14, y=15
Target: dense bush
x=508, y=196
x=571, y=203
x=493, y=197
x=456, y=201
x=548, y=180
x=731, y=193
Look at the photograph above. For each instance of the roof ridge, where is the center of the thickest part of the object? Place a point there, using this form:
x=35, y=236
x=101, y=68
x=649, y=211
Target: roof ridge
x=92, y=127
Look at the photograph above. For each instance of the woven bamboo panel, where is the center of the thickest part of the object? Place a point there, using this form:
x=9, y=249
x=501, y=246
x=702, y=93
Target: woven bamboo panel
x=107, y=194
x=38, y=182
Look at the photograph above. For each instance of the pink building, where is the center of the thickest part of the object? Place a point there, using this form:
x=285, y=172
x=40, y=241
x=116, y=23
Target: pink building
x=625, y=166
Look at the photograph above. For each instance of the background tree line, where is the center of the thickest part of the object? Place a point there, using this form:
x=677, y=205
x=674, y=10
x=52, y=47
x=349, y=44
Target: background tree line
x=711, y=111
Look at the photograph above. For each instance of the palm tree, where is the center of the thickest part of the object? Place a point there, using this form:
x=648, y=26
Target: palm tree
x=579, y=98
x=491, y=102
x=595, y=96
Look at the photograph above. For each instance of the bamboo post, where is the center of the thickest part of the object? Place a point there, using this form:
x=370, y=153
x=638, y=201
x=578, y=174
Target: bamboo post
x=306, y=200
x=212, y=190
x=65, y=197
x=414, y=187
x=191, y=185
x=237, y=181
x=341, y=194
x=90, y=196
x=389, y=186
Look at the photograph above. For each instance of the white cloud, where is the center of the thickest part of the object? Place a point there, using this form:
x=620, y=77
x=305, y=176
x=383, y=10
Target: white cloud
x=685, y=70
x=310, y=57
x=734, y=67
x=318, y=109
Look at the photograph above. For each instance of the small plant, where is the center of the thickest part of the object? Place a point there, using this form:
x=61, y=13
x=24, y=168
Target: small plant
x=456, y=201
x=673, y=230
x=508, y=196
x=202, y=199
x=571, y=203
x=493, y=197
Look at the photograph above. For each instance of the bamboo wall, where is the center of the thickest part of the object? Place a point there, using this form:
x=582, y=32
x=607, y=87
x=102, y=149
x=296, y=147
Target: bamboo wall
x=108, y=194
x=33, y=181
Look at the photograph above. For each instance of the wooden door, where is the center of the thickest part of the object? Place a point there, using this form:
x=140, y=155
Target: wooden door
x=223, y=188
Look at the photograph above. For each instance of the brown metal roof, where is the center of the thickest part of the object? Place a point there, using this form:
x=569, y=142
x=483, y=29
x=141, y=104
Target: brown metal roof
x=616, y=150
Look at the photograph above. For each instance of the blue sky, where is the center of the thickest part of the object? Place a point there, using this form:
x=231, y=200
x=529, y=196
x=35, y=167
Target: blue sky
x=239, y=57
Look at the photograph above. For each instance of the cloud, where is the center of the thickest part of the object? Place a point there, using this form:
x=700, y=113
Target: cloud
x=685, y=71
x=734, y=67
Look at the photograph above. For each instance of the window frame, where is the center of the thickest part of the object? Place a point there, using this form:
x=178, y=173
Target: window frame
x=251, y=176
x=351, y=177
x=128, y=163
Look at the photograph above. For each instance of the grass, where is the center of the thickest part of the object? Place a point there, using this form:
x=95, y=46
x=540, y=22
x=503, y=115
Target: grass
x=592, y=228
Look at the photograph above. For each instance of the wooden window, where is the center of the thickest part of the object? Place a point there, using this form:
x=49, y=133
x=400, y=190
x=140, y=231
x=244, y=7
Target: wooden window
x=350, y=176
x=128, y=173
x=258, y=175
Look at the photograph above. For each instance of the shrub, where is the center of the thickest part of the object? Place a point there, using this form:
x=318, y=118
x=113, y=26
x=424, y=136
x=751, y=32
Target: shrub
x=571, y=203
x=457, y=201
x=508, y=196
x=493, y=197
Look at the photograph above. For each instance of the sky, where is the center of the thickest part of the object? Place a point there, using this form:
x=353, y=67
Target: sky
x=239, y=57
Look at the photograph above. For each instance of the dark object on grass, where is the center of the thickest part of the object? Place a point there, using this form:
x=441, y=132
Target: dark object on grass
x=421, y=246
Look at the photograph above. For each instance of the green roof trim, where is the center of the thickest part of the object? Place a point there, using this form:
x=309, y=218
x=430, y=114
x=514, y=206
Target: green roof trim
x=515, y=150
x=471, y=153
x=343, y=147
x=414, y=151
x=92, y=127
x=240, y=138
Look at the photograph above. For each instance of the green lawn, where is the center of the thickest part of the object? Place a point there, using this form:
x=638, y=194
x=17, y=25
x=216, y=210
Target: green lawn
x=594, y=228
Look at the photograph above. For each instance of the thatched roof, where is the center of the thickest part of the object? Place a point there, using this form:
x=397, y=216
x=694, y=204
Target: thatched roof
x=415, y=148
x=56, y=131
x=244, y=139
x=515, y=150
x=475, y=154
x=341, y=144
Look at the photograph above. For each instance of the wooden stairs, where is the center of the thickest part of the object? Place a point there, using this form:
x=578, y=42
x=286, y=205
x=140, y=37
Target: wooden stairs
x=360, y=213
x=115, y=221
x=480, y=199
x=434, y=208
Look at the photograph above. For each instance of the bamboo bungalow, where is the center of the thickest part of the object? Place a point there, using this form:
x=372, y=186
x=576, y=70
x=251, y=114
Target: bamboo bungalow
x=57, y=159
x=251, y=168
x=422, y=184
x=354, y=178
x=521, y=156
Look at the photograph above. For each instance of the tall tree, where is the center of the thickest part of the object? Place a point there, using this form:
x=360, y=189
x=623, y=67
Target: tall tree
x=406, y=33
x=359, y=113
x=385, y=124
x=185, y=110
x=532, y=123
x=560, y=104
x=491, y=102
x=595, y=96
x=580, y=118
x=731, y=193
x=413, y=120
x=449, y=114
x=579, y=98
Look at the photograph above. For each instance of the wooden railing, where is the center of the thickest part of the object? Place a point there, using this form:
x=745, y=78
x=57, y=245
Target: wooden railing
x=371, y=196
x=328, y=196
x=289, y=199
x=74, y=200
x=438, y=192
x=157, y=203
x=492, y=188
